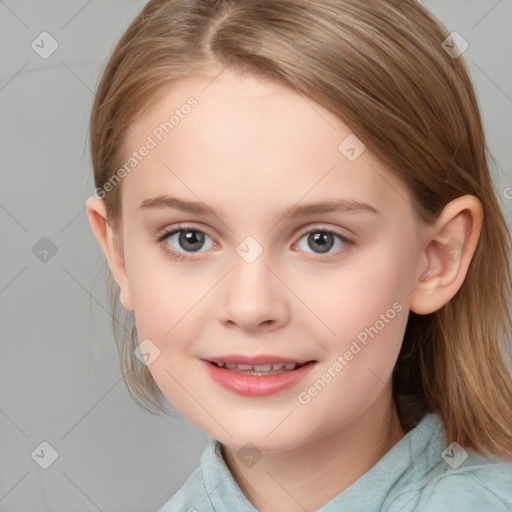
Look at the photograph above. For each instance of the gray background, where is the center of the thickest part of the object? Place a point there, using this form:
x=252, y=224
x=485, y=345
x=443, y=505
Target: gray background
x=59, y=371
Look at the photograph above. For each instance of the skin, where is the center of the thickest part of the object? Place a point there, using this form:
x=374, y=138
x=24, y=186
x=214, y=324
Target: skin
x=253, y=148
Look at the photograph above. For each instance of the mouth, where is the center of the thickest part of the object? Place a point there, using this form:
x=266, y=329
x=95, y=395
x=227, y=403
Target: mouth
x=259, y=369
x=262, y=376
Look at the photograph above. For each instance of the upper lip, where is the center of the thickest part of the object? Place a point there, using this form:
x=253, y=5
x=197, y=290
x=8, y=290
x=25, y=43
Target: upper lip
x=254, y=360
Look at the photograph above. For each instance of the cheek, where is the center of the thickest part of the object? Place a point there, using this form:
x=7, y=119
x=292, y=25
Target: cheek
x=164, y=295
x=367, y=310
x=164, y=310
x=168, y=308
x=369, y=292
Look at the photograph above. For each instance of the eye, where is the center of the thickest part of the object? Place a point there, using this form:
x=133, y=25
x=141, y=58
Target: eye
x=182, y=241
x=185, y=240
x=321, y=241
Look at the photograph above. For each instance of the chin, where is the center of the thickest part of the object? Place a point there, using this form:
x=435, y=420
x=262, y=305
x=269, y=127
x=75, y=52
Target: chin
x=251, y=439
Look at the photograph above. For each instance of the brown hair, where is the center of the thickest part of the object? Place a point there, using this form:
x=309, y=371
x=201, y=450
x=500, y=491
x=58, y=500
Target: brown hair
x=381, y=68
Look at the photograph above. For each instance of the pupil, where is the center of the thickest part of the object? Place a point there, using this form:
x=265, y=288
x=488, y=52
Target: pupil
x=194, y=238
x=323, y=240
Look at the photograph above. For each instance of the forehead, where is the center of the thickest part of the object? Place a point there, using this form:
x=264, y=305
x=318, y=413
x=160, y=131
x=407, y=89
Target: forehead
x=246, y=139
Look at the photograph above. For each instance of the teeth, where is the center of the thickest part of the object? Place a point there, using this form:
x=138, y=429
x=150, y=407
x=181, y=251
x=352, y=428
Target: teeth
x=258, y=367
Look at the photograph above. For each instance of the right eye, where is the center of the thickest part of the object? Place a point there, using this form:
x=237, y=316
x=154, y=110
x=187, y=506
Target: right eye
x=182, y=241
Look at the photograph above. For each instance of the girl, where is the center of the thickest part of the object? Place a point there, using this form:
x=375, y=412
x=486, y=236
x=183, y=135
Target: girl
x=295, y=203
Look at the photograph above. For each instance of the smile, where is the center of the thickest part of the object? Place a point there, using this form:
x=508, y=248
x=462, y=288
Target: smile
x=257, y=379
x=256, y=369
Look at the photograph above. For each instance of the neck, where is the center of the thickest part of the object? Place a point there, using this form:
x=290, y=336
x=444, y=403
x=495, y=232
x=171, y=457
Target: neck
x=311, y=475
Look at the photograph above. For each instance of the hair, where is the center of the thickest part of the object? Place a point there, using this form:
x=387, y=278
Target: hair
x=381, y=68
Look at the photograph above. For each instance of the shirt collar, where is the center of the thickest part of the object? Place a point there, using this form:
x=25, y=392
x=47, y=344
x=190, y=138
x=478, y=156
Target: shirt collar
x=424, y=442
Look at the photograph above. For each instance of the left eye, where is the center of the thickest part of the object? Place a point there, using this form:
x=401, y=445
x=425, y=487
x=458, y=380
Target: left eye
x=322, y=241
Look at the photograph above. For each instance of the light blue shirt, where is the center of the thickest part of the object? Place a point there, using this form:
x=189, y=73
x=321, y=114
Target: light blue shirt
x=421, y=473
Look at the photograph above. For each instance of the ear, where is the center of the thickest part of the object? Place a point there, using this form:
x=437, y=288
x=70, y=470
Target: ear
x=97, y=212
x=450, y=248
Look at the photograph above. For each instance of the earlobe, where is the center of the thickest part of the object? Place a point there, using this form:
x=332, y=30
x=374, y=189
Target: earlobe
x=126, y=300
x=448, y=254
x=97, y=213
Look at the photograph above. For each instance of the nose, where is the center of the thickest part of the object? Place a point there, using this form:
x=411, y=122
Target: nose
x=253, y=298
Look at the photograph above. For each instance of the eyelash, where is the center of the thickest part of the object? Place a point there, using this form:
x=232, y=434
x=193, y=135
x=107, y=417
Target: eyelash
x=160, y=239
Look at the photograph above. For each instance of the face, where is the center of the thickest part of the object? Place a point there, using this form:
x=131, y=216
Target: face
x=236, y=279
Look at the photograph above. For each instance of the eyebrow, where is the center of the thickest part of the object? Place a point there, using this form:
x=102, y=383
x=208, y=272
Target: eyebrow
x=199, y=208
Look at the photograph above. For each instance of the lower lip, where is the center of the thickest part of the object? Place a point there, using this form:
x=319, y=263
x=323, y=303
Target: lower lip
x=256, y=385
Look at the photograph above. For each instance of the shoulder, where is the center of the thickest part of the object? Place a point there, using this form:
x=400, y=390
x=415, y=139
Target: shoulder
x=444, y=477
x=480, y=484
x=191, y=497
